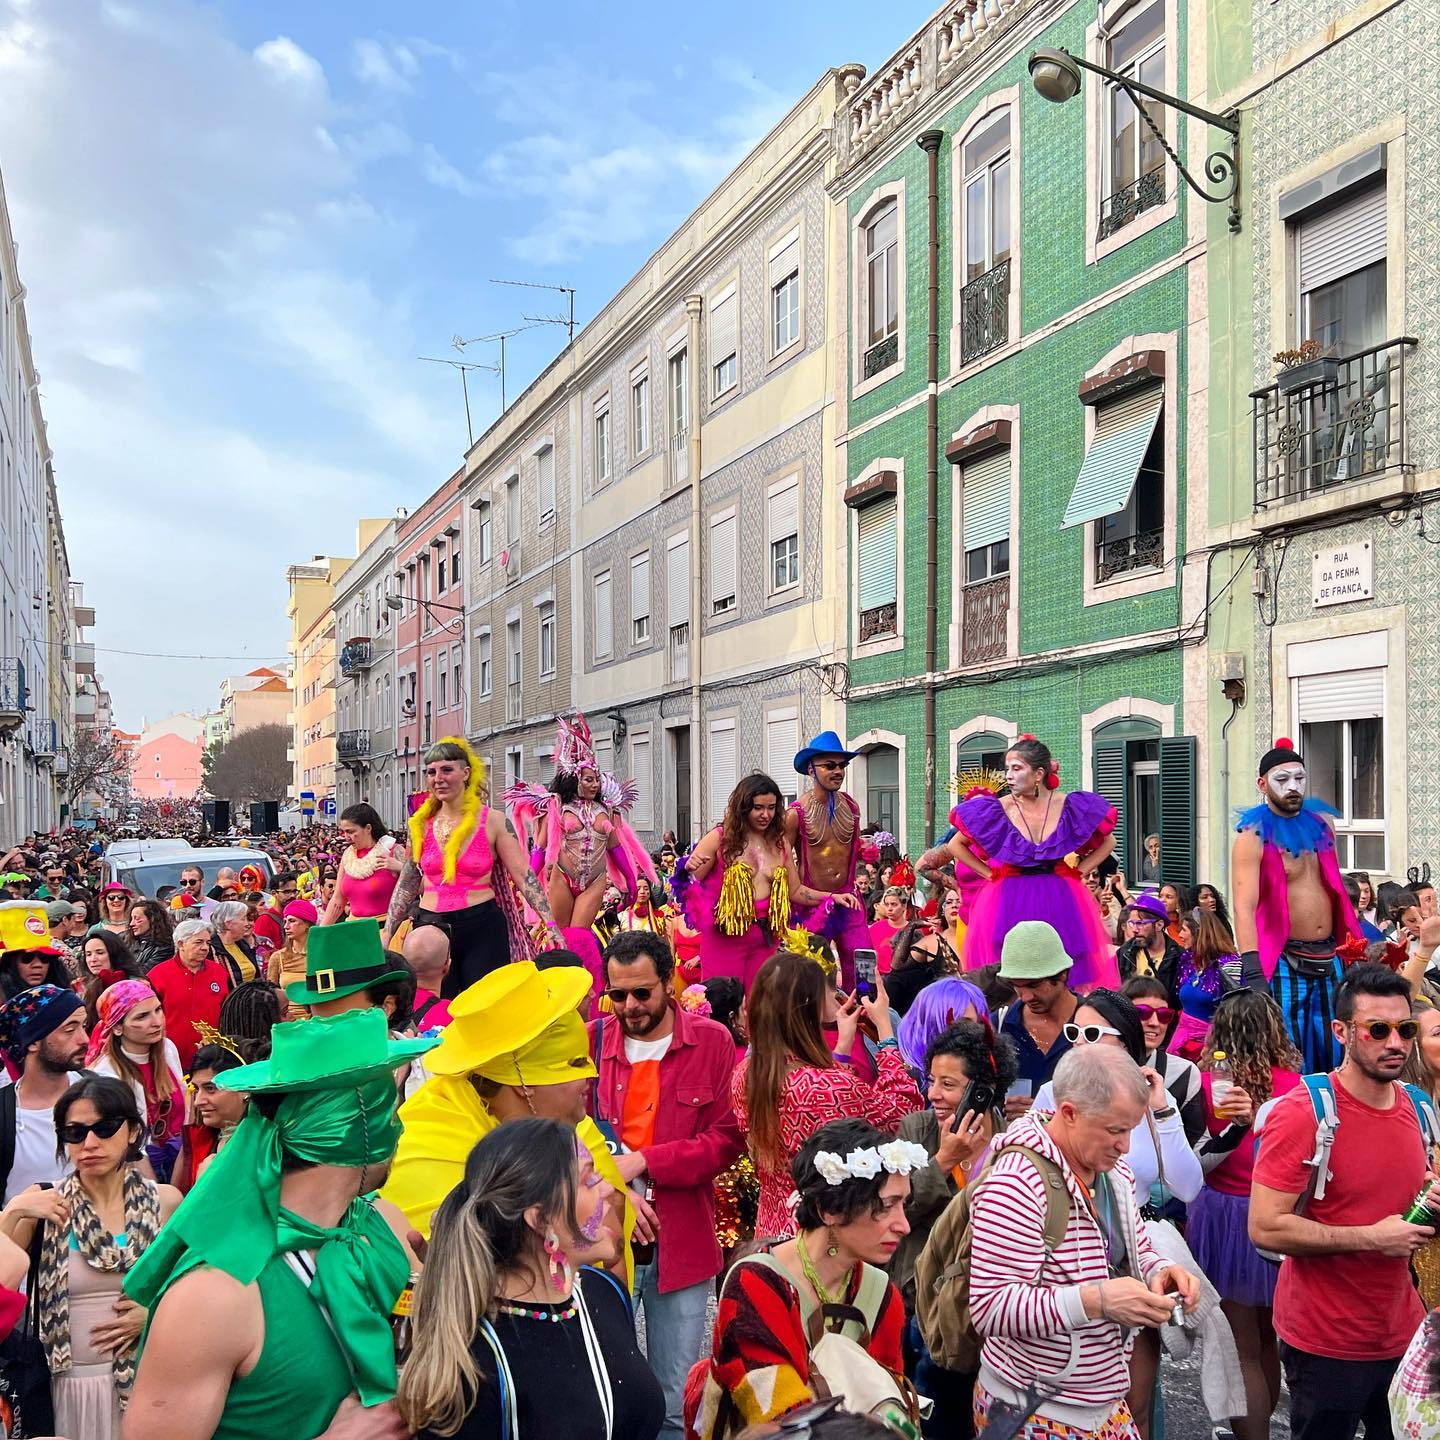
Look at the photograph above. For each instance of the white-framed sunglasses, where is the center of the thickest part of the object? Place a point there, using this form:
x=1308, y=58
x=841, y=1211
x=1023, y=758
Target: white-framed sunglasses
x=1090, y=1034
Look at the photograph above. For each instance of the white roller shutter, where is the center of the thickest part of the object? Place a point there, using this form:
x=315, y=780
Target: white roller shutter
x=722, y=561
x=602, y=616
x=640, y=587
x=1341, y=241
x=1353, y=695
x=722, y=326
x=722, y=767
x=785, y=257
x=642, y=816
x=545, y=482
x=782, y=740
x=784, y=519
x=677, y=580
x=876, y=546
x=985, y=500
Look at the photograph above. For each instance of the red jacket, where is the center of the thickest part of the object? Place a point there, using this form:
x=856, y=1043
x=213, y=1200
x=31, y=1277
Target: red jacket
x=696, y=1136
x=187, y=996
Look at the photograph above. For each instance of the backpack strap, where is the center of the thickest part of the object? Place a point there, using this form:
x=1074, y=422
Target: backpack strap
x=8, y=1120
x=1327, y=1122
x=1425, y=1114
x=1057, y=1194
x=505, y=1382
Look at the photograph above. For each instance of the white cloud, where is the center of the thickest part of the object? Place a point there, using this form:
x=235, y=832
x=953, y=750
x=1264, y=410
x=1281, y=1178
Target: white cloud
x=441, y=173
x=388, y=64
x=285, y=60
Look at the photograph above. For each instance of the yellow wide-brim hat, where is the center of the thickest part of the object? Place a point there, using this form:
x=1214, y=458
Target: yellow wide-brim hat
x=518, y=1023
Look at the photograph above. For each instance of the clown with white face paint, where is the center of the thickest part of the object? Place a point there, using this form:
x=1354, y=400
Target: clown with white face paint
x=1291, y=907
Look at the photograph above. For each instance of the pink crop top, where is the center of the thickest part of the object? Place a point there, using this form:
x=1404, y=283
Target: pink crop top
x=472, y=869
x=368, y=897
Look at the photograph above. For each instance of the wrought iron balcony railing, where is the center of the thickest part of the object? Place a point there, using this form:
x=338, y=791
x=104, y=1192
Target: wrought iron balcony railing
x=14, y=698
x=44, y=738
x=986, y=611
x=680, y=652
x=1132, y=200
x=877, y=622
x=356, y=654
x=882, y=355
x=985, y=313
x=1129, y=552
x=1331, y=422
x=352, y=746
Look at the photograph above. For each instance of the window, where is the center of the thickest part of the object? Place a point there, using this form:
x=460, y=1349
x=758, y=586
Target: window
x=882, y=282
x=547, y=639
x=723, y=340
x=455, y=653
x=514, y=765
x=782, y=518
x=442, y=701
x=1134, y=160
x=483, y=511
x=722, y=767
x=545, y=484
x=513, y=669
x=782, y=740
x=602, y=616
x=483, y=662
x=877, y=577
x=454, y=563
x=1150, y=780
x=441, y=572
x=985, y=538
x=985, y=300
x=722, y=563
x=642, y=815
x=677, y=604
x=985, y=751
x=678, y=371
x=512, y=509
x=1340, y=271
x=640, y=411
x=882, y=788
x=640, y=599
x=785, y=293
x=602, y=445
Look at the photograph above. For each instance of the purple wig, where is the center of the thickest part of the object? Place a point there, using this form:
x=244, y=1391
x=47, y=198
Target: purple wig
x=939, y=1004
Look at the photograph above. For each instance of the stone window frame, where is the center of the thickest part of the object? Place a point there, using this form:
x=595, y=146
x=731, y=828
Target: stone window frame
x=886, y=644
x=777, y=480
x=774, y=358
x=859, y=384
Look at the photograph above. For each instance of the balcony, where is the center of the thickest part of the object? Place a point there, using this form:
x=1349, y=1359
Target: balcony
x=352, y=749
x=327, y=676
x=877, y=622
x=1331, y=434
x=84, y=615
x=512, y=701
x=679, y=652
x=84, y=656
x=1131, y=201
x=14, y=698
x=986, y=611
x=356, y=655
x=985, y=313
x=62, y=763
x=680, y=456
x=882, y=355
x=43, y=739
x=511, y=558
x=1127, y=553
x=83, y=705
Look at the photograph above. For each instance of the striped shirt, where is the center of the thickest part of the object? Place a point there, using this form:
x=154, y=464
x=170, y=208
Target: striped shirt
x=1307, y=1003
x=1025, y=1302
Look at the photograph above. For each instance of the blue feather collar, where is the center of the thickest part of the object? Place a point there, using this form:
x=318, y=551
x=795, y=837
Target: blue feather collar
x=1302, y=834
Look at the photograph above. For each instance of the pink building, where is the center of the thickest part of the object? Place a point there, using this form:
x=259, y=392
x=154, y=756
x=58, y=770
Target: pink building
x=430, y=646
x=165, y=766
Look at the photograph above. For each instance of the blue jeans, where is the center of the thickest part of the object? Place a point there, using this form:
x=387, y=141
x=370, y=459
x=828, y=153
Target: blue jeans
x=674, y=1338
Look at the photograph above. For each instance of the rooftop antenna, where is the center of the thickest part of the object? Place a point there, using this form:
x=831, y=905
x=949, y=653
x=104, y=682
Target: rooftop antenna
x=566, y=290
x=462, y=366
x=459, y=342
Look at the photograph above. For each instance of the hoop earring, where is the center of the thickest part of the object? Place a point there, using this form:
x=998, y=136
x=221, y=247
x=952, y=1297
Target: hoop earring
x=558, y=1262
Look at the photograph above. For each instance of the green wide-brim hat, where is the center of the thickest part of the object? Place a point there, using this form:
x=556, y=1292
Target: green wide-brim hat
x=326, y=1054
x=341, y=959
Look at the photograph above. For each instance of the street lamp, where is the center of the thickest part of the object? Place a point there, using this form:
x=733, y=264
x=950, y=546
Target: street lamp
x=1055, y=75
x=394, y=602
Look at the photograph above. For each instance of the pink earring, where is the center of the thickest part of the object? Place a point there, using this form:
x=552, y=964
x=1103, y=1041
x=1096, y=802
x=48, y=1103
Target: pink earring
x=559, y=1261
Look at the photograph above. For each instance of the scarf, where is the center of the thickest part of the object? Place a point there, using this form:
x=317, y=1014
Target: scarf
x=98, y=1249
x=232, y=1220
x=362, y=867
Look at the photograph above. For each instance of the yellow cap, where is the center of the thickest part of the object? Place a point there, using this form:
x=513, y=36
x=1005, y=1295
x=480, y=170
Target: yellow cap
x=1217, y=1054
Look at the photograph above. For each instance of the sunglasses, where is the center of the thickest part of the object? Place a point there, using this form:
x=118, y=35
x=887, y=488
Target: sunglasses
x=640, y=995
x=189, y=884
x=1380, y=1029
x=75, y=1132
x=1090, y=1034
x=1159, y=1012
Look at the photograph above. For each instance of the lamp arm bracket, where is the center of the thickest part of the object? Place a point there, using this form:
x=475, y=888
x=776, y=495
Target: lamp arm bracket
x=1222, y=167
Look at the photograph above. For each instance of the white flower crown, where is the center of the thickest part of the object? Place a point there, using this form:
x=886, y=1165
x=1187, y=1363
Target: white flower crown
x=898, y=1157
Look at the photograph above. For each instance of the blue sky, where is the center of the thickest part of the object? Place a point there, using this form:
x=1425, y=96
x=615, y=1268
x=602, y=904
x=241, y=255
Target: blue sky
x=240, y=223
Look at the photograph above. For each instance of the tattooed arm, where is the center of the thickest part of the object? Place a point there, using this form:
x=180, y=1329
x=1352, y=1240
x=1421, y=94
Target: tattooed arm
x=931, y=868
x=508, y=850
x=807, y=895
x=404, y=902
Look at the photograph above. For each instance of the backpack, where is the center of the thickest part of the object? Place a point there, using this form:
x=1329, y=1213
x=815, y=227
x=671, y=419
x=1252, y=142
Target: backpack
x=942, y=1269
x=1327, y=1123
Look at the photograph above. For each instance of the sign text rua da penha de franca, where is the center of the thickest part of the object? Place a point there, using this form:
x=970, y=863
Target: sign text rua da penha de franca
x=1342, y=573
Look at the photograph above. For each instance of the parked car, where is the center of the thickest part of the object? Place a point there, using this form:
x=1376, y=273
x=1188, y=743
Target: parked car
x=146, y=865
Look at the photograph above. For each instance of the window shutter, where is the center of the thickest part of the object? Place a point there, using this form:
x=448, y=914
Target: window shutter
x=1110, y=781
x=1352, y=695
x=1112, y=463
x=677, y=580
x=985, y=500
x=785, y=511
x=605, y=755
x=545, y=474
x=1341, y=241
x=642, y=815
x=602, y=616
x=640, y=587
x=786, y=259
x=876, y=544
x=1177, y=809
x=782, y=740
x=722, y=558
x=722, y=327
x=722, y=767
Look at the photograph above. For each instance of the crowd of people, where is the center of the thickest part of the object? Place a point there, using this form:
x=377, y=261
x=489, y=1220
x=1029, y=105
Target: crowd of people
x=489, y=1123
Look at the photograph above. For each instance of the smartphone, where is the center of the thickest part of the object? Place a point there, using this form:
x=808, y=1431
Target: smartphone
x=978, y=1099
x=865, y=967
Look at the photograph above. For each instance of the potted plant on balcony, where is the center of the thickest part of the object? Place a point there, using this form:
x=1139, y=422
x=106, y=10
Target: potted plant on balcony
x=1305, y=368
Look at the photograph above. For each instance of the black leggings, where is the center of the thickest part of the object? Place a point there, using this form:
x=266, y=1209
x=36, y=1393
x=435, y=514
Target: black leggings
x=479, y=943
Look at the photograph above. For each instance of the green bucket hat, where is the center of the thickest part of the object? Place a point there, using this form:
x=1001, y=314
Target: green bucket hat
x=341, y=959
x=1032, y=951
x=326, y=1054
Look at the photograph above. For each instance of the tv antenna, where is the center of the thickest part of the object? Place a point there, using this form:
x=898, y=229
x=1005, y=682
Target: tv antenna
x=462, y=366
x=459, y=342
x=566, y=290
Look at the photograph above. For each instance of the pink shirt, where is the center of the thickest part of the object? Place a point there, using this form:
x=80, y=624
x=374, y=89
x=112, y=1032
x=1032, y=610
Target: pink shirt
x=472, y=869
x=882, y=939
x=431, y=1012
x=370, y=897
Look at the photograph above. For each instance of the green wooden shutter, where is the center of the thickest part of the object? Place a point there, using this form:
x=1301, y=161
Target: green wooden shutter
x=1177, y=810
x=1111, y=781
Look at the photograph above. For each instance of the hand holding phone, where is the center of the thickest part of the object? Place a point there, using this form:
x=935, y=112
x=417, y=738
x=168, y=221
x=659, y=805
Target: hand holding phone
x=866, y=968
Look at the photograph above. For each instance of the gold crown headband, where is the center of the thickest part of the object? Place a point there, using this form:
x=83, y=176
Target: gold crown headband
x=978, y=777
x=209, y=1035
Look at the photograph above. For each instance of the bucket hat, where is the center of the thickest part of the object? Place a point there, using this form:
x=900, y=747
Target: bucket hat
x=341, y=959
x=1032, y=951
x=26, y=927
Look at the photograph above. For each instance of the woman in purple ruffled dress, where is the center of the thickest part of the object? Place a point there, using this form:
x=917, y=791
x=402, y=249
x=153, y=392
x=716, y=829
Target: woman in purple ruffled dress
x=1033, y=847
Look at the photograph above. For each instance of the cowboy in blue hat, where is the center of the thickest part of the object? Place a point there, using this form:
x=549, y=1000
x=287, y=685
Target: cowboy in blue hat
x=823, y=828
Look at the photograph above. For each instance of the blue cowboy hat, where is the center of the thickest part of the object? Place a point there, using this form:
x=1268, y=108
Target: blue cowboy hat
x=827, y=742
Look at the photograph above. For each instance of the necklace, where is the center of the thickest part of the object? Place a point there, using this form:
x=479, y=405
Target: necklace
x=1044, y=821
x=442, y=827
x=807, y=1265
x=525, y=1312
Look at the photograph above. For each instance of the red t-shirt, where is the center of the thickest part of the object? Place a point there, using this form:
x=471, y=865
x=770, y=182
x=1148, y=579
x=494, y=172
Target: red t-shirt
x=187, y=996
x=1233, y=1174
x=1359, y=1306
